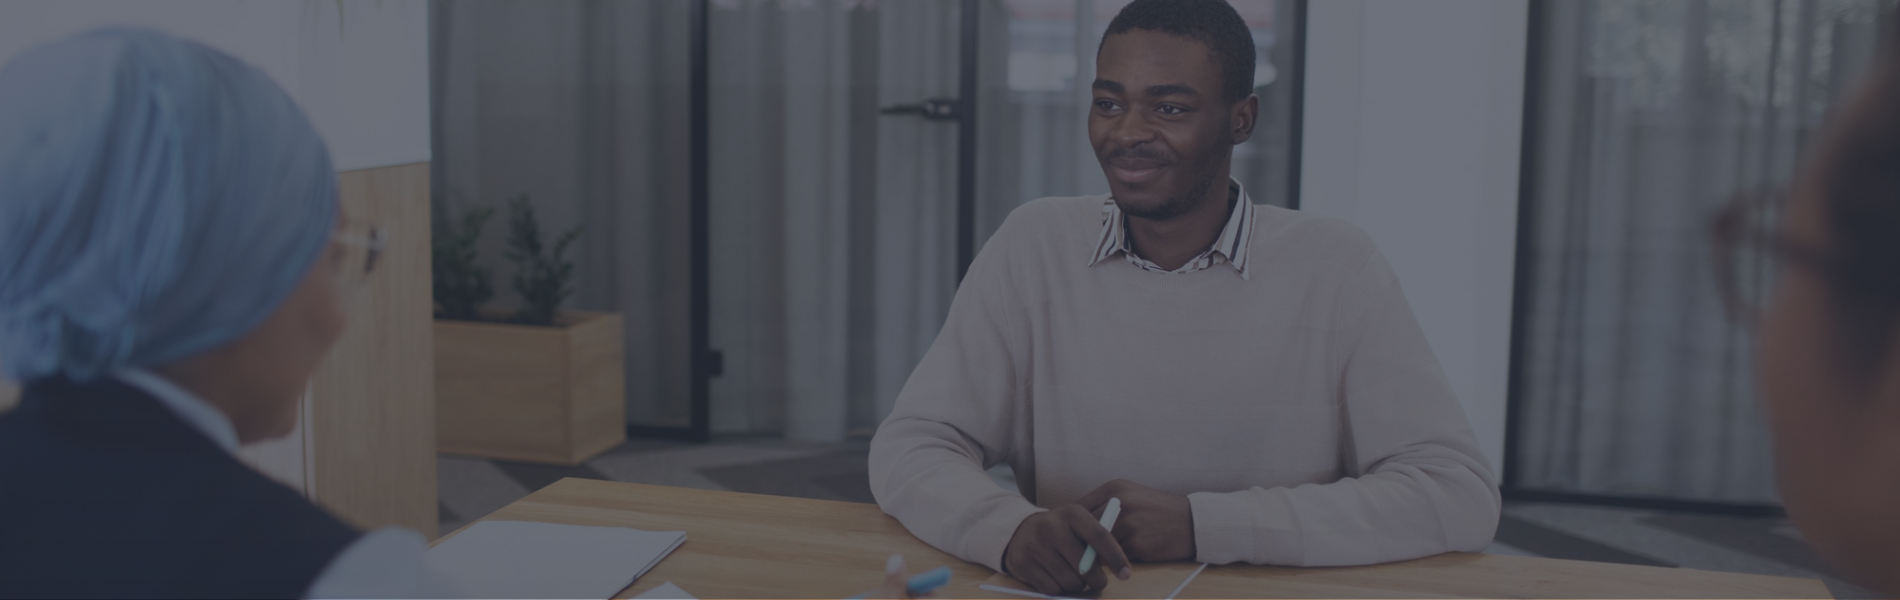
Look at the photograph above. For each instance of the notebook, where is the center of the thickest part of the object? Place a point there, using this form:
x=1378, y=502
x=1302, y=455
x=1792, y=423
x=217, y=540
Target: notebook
x=521, y=559
x=1151, y=581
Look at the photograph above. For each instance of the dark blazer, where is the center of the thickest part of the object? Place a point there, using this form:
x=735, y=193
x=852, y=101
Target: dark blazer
x=105, y=493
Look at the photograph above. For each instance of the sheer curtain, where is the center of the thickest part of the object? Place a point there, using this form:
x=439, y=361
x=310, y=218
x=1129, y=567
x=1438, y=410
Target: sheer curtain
x=581, y=105
x=833, y=235
x=1650, y=114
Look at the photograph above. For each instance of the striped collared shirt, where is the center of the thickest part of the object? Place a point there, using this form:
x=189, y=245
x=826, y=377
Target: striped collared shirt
x=1230, y=247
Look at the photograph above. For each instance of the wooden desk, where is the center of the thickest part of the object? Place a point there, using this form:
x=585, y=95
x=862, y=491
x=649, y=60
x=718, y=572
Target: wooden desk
x=752, y=546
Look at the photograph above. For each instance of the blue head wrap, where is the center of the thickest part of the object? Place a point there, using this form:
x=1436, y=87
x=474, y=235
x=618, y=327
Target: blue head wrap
x=158, y=199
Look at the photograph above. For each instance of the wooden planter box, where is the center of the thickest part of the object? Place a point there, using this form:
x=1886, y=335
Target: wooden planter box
x=538, y=394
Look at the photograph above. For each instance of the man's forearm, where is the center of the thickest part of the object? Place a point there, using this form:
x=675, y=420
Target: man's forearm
x=1406, y=510
x=933, y=481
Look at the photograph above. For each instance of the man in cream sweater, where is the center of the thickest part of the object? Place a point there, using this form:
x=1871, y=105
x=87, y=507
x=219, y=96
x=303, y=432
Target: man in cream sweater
x=1249, y=381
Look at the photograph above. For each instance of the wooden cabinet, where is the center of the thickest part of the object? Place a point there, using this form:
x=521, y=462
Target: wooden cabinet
x=552, y=395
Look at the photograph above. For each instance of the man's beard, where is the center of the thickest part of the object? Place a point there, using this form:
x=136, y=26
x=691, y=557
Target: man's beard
x=1175, y=206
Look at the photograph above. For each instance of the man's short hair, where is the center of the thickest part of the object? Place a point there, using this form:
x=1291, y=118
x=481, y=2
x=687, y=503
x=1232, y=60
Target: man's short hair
x=1213, y=23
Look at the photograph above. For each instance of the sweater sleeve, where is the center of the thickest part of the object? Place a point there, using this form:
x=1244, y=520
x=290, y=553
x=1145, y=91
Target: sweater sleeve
x=955, y=417
x=1419, y=483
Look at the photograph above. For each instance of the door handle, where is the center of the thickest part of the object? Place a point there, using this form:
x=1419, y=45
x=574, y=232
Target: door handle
x=934, y=109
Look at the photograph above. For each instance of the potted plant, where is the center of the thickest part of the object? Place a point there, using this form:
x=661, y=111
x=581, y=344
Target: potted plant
x=538, y=383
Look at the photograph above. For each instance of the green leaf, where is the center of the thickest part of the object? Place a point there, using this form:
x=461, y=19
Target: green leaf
x=542, y=275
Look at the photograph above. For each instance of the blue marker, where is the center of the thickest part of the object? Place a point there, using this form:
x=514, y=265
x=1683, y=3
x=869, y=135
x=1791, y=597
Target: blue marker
x=928, y=581
x=918, y=585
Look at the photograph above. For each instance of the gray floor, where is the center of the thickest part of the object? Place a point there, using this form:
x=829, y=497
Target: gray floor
x=472, y=487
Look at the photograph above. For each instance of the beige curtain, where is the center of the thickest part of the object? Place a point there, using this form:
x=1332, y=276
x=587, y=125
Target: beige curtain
x=1652, y=113
x=833, y=259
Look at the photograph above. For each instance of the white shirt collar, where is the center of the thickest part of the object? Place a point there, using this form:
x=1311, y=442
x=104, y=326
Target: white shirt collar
x=201, y=415
x=1236, y=237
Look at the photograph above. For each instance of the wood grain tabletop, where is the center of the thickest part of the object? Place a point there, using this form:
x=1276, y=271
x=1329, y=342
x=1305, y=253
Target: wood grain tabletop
x=754, y=546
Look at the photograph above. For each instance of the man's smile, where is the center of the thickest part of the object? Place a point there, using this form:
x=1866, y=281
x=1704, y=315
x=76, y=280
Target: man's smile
x=1135, y=171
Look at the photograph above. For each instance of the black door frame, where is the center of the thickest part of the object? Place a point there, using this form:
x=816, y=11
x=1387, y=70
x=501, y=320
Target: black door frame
x=706, y=364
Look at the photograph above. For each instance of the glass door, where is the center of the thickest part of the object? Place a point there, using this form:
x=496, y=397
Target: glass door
x=833, y=152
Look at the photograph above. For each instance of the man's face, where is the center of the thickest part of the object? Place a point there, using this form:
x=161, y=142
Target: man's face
x=1160, y=123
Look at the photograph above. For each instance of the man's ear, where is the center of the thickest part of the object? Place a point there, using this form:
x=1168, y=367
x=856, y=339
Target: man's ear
x=1245, y=114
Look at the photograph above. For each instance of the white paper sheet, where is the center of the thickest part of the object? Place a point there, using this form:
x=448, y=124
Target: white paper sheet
x=666, y=591
x=520, y=559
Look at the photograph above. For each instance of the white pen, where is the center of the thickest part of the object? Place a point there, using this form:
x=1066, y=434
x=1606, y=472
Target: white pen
x=1108, y=522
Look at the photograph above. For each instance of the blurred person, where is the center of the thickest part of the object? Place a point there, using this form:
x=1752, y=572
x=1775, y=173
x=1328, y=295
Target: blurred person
x=1249, y=381
x=174, y=266
x=1828, y=358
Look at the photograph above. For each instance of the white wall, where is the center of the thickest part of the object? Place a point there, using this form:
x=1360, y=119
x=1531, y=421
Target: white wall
x=359, y=68
x=1413, y=114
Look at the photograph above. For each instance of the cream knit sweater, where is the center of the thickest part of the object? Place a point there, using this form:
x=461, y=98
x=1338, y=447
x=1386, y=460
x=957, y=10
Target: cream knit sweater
x=1301, y=409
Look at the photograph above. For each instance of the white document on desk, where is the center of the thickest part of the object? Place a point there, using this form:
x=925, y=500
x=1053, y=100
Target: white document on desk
x=666, y=591
x=521, y=559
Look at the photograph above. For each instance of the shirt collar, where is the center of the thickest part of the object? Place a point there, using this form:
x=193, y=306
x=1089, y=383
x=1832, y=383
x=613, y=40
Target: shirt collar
x=201, y=415
x=1232, y=246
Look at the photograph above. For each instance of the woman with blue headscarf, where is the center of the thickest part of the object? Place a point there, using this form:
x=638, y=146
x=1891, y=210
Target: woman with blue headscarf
x=172, y=261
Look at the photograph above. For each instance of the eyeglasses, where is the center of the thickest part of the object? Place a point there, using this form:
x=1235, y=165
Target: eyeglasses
x=1750, y=252
x=355, y=249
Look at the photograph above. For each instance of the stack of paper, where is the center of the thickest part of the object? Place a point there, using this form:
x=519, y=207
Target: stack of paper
x=519, y=559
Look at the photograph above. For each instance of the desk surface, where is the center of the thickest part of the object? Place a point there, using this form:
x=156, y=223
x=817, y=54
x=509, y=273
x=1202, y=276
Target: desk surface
x=752, y=546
